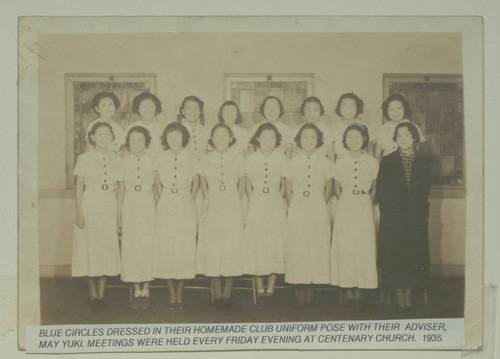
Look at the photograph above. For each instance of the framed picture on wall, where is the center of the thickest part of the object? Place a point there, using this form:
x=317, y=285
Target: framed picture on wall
x=80, y=90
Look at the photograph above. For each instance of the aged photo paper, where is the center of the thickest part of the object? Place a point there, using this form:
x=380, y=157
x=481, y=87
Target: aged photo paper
x=434, y=63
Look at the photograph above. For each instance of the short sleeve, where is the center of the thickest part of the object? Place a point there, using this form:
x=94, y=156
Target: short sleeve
x=421, y=135
x=203, y=167
x=81, y=166
x=240, y=163
x=288, y=170
x=120, y=171
x=328, y=169
x=195, y=166
x=372, y=168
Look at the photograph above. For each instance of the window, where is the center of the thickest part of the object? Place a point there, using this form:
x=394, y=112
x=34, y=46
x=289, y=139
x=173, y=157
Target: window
x=436, y=103
x=249, y=90
x=80, y=89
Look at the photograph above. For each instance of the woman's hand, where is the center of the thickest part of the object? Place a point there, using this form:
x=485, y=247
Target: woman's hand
x=80, y=221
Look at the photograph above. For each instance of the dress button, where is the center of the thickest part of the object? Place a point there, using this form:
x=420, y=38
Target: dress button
x=175, y=159
x=355, y=185
x=355, y=177
x=105, y=180
x=175, y=176
x=195, y=148
x=138, y=176
x=138, y=160
x=104, y=158
x=265, y=182
x=222, y=173
x=105, y=173
x=355, y=169
x=309, y=166
x=308, y=185
x=265, y=176
x=308, y=176
x=173, y=184
x=265, y=163
x=105, y=166
x=138, y=168
x=175, y=168
x=355, y=162
x=265, y=169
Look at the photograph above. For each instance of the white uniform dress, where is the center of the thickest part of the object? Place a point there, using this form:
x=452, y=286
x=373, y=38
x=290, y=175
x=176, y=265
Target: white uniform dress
x=138, y=218
x=265, y=226
x=242, y=138
x=328, y=136
x=338, y=133
x=285, y=131
x=95, y=247
x=307, y=248
x=117, y=132
x=155, y=129
x=353, y=245
x=175, y=238
x=220, y=238
x=198, y=145
x=384, y=136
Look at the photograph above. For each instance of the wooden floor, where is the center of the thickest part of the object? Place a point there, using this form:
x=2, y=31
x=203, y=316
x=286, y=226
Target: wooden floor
x=64, y=301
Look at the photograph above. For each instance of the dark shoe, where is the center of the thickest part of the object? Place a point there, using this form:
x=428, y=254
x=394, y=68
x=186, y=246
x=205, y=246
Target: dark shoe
x=135, y=303
x=179, y=306
x=93, y=304
x=226, y=303
x=101, y=303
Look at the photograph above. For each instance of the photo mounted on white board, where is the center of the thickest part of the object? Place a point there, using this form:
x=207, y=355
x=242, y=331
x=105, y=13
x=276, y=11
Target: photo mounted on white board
x=296, y=187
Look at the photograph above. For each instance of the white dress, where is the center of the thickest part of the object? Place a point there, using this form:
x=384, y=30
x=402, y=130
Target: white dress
x=353, y=243
x=384, y=136
x=284, y=130
x=307, y=248
x=175, y=237
x=138, y=218
x=117, y=132
x=198, y=139
x=155, y=129
x=242, y=140
x=220, y=238
x=328, y=136
x=95, y=247
x=265, y=226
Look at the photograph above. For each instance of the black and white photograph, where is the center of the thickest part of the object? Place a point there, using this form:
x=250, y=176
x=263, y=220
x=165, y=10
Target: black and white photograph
x=278, y=171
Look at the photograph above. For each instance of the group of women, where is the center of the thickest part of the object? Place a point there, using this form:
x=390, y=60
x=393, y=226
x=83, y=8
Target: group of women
x=228, y=201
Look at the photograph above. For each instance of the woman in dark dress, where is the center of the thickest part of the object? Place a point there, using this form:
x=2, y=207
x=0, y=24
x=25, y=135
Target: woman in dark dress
x=403, y=186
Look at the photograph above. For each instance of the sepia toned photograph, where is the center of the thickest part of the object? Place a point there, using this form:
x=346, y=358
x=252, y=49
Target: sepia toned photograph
x=289, y=174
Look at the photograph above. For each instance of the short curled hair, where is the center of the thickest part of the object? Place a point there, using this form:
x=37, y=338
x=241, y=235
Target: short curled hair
x=395, y=97
x=411, y=128
x=263, y=104
x=312, y=126
x=138, y=129
x=350, y=95
x=173, y=127
x=238, y=113
x=222, y=125
x=361, y=129
x=94, y=129
x=200, y=105
x=315, y=100
x=263, y=127
x=136, y=103
x=98, y=97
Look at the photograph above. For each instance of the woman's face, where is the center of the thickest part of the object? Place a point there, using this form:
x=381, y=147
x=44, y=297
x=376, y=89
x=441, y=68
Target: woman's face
x=137, y=142
x=106, y=107
x=308, y=140
x=229, y=114
x=267, y=140
x=348, y=108
x=272, y=110
x=174, y=140
x=312, y=111
x=102, y=137
x=221, y=139
x=191, y=111
x=147, y=109
x=404, y=139
x=354, y=140
x=396, y=111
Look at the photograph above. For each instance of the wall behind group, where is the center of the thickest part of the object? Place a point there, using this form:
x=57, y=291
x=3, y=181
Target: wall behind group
x=194, y=63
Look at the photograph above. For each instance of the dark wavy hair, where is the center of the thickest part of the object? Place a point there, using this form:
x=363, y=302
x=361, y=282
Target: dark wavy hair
x=411, y=128
x=94, y=129
x=238, y=113
x=136, y=103
x=361, y=129
x=98, y=97
x=265, y=126
x=263, y=104
x=311, y=126
x=173, y=127
x=350, y=95
x=395, y=97
x=200, y=103
x=138, y=129
x=315, y=100
x=223, y=125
